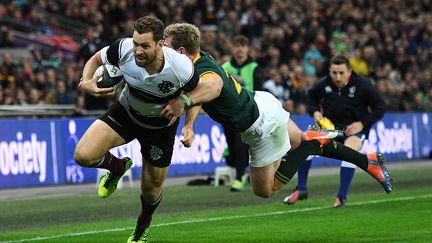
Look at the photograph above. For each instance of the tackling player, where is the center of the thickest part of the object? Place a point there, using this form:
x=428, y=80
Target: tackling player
x=261, y=121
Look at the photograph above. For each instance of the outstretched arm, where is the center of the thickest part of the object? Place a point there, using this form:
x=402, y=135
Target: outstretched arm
x=187, y=130
x=207, y=90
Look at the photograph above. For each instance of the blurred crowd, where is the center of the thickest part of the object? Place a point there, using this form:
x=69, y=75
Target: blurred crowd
x=292, y=41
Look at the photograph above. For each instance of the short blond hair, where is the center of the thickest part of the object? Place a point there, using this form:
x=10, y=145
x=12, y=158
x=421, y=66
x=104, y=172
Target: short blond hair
x=184, y=35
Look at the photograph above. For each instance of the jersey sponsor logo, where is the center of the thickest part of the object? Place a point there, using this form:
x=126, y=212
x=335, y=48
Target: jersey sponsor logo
x=155, y=153
x=351, y=91
x=166, y=86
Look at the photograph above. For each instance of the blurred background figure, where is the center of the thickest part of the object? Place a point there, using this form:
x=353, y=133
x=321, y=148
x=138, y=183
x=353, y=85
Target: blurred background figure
x=246, y=71
x=353, y=105
x=399, y=50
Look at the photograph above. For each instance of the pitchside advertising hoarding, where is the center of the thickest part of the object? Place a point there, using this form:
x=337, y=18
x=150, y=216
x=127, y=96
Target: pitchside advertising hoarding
x=39, y=152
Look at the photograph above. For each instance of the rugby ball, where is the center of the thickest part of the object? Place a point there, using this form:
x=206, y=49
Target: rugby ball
x=112, y=75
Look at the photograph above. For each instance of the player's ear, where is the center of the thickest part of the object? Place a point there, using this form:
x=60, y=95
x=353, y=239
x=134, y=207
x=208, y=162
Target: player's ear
x=161, y=42
x=182, y=50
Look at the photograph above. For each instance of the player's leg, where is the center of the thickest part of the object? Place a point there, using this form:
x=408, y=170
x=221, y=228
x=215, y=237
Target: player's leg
x=372, y=163
x=302, y=175
x=347, y=171
x=270, y=138
x=152, y=178
x=303, y=171
x=237, y=158
x=230, y=136
x=242, y=161
x=156, y=148
x=300, y=191
x=269, y=178
x=96, y=141
x=307, y=144
x=268, y=142
x=110, y=130
x=263, y=181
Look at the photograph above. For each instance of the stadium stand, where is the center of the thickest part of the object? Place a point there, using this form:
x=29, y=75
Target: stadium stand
x=390, y=41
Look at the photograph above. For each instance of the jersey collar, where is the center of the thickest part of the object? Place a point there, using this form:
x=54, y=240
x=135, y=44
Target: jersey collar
x=198, y=56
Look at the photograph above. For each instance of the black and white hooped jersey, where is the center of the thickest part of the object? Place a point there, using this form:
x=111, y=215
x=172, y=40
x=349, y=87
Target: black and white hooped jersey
x=144, y=95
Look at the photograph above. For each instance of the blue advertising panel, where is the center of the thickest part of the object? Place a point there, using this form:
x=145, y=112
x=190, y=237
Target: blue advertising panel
x=27, y=153
x=70, y=131
x=399, y=136
x=39, y=152
x=202, y=157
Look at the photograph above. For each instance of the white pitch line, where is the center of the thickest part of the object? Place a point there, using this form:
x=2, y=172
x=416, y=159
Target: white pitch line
x=215, y=219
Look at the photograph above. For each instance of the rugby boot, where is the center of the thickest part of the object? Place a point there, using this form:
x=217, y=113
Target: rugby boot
x=323, y=136
x=138, y=235
x=339, y=203
x=108, y=183
x=238, y=186
x=295, y=196
x=378, y=171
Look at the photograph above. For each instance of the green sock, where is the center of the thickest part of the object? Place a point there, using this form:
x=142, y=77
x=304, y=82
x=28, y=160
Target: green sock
x=339, y=151
x=292, y=161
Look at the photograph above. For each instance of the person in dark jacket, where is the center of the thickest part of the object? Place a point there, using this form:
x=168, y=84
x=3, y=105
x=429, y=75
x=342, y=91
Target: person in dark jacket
x=353, y=105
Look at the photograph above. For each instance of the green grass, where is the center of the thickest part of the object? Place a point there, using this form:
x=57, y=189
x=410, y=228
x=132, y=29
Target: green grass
x=208, y=214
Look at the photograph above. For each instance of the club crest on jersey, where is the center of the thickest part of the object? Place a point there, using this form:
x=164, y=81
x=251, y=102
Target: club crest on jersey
x=155, y=153
x=166, y=86
x=351, y=91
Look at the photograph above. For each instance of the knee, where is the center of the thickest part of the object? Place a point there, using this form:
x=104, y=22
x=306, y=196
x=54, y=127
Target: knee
x=150, y=197
x=263, y=193
x=297, y=139
x=150, y=190
x=83, y=158
x=80, y=158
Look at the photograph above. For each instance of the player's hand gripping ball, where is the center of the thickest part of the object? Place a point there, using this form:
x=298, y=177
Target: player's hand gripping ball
x=112, y=75
x=325, y=123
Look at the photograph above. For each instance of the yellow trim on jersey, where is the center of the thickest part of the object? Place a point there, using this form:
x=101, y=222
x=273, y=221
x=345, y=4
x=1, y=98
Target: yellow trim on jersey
x=198, y=56
x=209, y=74
x=236, y=83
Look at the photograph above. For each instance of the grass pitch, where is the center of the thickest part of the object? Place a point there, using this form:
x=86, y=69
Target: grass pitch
x=209, y=214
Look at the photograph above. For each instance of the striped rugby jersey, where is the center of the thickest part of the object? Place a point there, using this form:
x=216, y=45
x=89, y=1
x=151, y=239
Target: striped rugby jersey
x=144, y=95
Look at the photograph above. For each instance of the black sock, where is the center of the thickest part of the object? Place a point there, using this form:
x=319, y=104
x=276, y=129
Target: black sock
x=339, y=151
x=292, y=161
x=112, y=163
x=147, y=211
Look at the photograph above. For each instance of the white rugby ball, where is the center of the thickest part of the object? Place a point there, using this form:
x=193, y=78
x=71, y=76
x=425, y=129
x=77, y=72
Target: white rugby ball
x=112, y=75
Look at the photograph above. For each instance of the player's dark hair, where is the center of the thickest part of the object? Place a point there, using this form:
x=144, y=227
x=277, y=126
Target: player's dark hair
x=340, y=59
x=150, y=24
x=240, y=40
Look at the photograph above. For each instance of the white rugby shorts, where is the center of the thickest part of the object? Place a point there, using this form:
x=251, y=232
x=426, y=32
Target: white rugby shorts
x=268, y=136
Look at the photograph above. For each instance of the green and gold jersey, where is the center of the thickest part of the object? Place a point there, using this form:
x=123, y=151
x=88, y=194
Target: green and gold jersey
x=235, y=107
